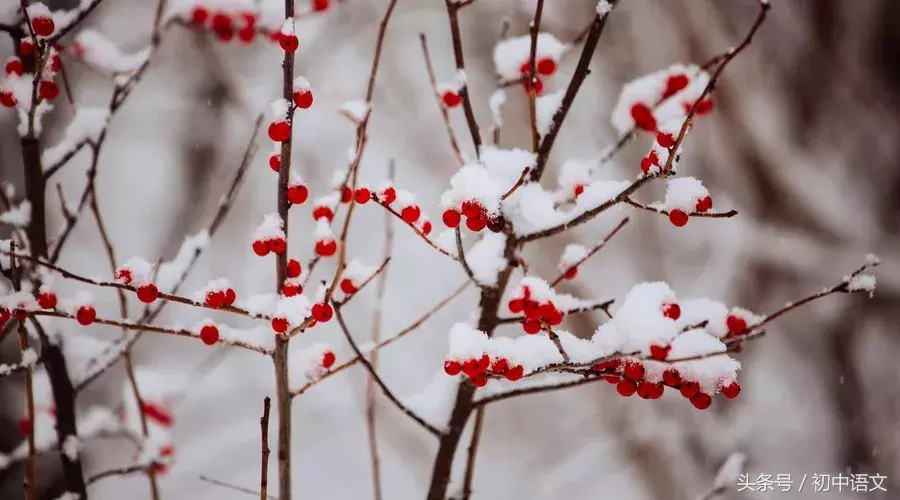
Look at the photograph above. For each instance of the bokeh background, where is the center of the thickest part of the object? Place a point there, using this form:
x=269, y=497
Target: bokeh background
x=803, y=142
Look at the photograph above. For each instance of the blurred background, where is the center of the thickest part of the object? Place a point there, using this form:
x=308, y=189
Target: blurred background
x=803, y=142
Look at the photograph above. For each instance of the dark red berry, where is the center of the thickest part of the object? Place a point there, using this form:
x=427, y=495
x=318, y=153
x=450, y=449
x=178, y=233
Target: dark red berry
x=476, y=223
x=678, y=217
x=546, y=66
x=289, y=43
x=410, y=214
x=671, y=377
x=362, y=195
x=293, y=269
x=701, y=401
x=199, y=15
x=736, y=324
x=86, y=315
x=14, y=67
x=260, y=248
x=452, y=367
x=279, y=324
x=689, y=388
x=531, y=326
x=209, y=334
x=297, y=194
x=326, y=248
x=514, y=373
x=277, y=245
x=731, y=390
x=665, y=139
x=479, y=380
x=43, y=26
x=322, y=212
x=230, y=297
x=634, y=371
x=275, y=162
x=451, y=218
x=674, y=84
x=303, y=98
x=322, y=312
x=451, y=98
x=660, y=353
x=147, y=293
x=571, y=273
x=328, y=359
x=672, y=311
x=626, y=387
x=704, y=204
x=388, y=195
x=47, y=300
x=279, y=131
x=348, y=287
x=48, y=89
x=643, y=117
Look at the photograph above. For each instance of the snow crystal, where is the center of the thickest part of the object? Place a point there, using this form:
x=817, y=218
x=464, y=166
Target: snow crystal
x=446, y=241
x=573, y=254
x=506, y=164
x=260, y=336
x=683, y=193
x=466, y=342
x=573, y=173
x=510, y=54
x=546, y=107
x=71, y=447
x=306, y=364
x=19, y=216
x=68, y=495
x=597, y=193
x=260, y=304
x=532, y=352
x=580, y=350
x=531, y=208
x=435, y=401
x=604, y=7
x=862, y=283
x=86, y=125
x=288, y=27
x=141, y=271
x=270, y=228
x=473, y=182
x=496, y=102
x=357, y=272
x=872, y=259
x=294, y=309
x=280, y=108
x=29, y=357
x=461, y=77
x=213, y=285
x=695, y=311
x=21, y=300
x=356, y=111
x=639, y=321
x=710, y=372
x=649, y=90
x=102, y=54
x=323, y=230
x=675, y=108
x=301, y=83
x=486, y=258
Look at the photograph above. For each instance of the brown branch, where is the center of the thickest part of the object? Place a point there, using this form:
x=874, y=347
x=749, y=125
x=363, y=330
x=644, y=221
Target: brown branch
x=582, y=69
x=453, y=8
x=524, y=391
x=418, y=232
x=377, y=379
x=381, y=270
x=462, y=259
x=594, y=250
x=518, y=184
x=531, y=83
x=232, y=487
x=264, y=467
x=384, y=343
x=79, y=17
x=604, y=306
x=454, y=143
x=472, y=454
x=711, y=215
x=120, y=471
x=31, y=467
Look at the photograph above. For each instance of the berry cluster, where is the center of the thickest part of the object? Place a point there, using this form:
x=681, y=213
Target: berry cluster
x=477, y=217
x=537, y=314
x=275, y=245
x=226, y=24
x=479, y=368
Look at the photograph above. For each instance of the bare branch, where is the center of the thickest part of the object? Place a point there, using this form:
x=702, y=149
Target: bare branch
x=594, y=250
x=454, y=143
x=264, y=467
x=453, y=8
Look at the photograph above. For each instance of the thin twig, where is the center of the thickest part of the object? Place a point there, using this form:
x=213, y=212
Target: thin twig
x=531, y=83
x=711, y=215
x=518, y=184
x=604, y=306
x=453, y=8
x=233, y=487
x=594, y=250
x=264, y=467
x=119, y=471
x=462, y=259
x=384, y=388
x=454, y=143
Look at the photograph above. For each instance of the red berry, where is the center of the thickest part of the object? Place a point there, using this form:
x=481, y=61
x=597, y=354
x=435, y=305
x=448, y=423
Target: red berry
x=678, y=217
x=410, y=214
x=665, y=139
x=14, y=67
x=704, y=107
x=362, y=195
x=388, y=195
x=470, y=367
x=538, y=86
x=124, y=276
x=279, y=324
x=634, y=371
x=303, y=98
x=643, y=117
x=322, y=212
x=500, y=365
x=279, y=131
x=704, y=204
x=147, y=293
x=546, y=66
x=209, y=334
x=293, y=269
x=731, y=390
x=43, y=26
x=612, y=379
x=221, y=20
x=495, y=224
x=7, y=99
x=675, y=83
x=471, y=209
x=426, y=227
x=48, y=89
x=290, y=289
x=649, y=161
x=689, y=389
x=626, y=387
x=230, y=297
x=571, y=273
x=322, y=312
x=86, y=315
x=672, y=311
x=328, y=359
x=451, y=218
x=297, y=194
x=4, y=315
x=348, y=287
x=646, y=390
x=26, y=47
x=215, y=299
x=658, y=390
x=326, y=248
x=660, y=353
x=247, y=34
x=47, y=300
x=224, y=34
x=736, y=324
x=199, y=15
x=476, y=223
x=451, y=98
x=320, y=5
x=516, y=306
x=579, y=189
x=479, y=380
x=289, y=43
x=531, y=326
x=701, y=401
x=532, y=309
x=55, y=63
x=452, y=368
x=484, y=362
x=25, y=426
x=514, y=373
x=277, y=245
x=346, y=194
x=260, y=248
x=555, y=318
x=671, y=377
x=275, y=162
x=20, y=313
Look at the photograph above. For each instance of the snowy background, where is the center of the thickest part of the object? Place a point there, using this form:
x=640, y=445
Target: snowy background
x=802, y=143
